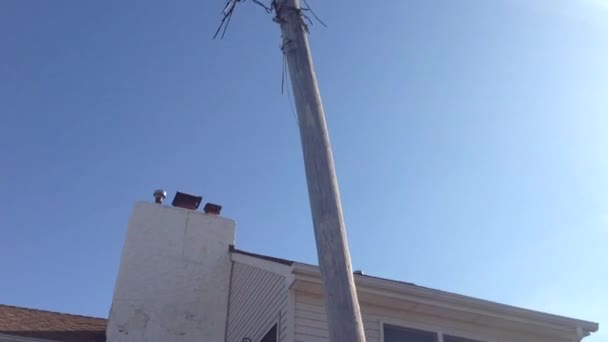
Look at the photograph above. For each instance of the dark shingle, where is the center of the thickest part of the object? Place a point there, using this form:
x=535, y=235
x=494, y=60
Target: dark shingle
x=50, y=325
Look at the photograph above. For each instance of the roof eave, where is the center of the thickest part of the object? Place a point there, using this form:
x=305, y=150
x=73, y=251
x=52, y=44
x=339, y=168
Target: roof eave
x=452, y=301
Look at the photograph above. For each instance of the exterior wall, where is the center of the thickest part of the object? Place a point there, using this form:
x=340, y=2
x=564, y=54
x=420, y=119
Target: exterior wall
x=311, y=320
x=311, y=323
x=174, y=277
x=258, y=300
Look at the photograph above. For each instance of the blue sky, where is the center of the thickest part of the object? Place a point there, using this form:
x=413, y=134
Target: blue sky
x=469, y=138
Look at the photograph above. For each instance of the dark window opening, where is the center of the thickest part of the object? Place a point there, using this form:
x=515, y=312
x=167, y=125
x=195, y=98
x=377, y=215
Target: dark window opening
x=400, y=334
x=271, y=335
x=448, y=338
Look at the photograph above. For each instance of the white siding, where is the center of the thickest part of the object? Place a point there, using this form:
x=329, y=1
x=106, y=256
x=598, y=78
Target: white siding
x=311, y=323
x=258, y=300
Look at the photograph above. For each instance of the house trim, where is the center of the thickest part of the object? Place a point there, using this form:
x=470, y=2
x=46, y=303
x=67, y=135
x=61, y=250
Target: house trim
x=291, y=315
x=229, y=301
x=422, y=295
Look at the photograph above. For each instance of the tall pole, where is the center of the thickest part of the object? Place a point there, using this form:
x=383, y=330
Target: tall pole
x=342, y=306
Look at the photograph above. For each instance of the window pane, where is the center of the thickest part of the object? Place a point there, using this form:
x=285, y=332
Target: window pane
x=271, y=335
x=398, y=334
x=448, y=338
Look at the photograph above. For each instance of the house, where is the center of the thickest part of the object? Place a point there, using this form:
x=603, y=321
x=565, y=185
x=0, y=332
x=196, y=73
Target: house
x=182, y=279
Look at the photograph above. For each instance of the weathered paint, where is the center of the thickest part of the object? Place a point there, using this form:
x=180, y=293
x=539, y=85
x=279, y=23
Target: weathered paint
x=174, y=277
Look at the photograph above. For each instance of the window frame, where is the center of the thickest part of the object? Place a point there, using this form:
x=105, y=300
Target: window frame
x=440, y=331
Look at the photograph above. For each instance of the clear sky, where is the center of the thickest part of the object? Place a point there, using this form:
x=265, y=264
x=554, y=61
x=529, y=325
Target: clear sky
x=470, y=141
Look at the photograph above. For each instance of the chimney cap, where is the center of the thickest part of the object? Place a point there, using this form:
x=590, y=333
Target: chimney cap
x=159, y=195
x=211, y=208
x=186, y=201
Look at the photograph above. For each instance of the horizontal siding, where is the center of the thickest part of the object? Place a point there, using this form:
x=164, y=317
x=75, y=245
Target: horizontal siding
x=258, y=300
x=311, y=322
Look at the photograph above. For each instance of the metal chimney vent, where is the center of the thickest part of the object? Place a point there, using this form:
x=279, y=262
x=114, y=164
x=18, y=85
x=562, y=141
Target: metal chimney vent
x=159, y=196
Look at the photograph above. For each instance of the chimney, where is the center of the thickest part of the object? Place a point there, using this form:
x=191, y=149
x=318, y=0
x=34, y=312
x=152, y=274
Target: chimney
x=174, y=274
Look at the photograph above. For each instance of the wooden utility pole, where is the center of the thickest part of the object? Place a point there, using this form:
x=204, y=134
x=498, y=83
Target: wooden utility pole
x=343, y=313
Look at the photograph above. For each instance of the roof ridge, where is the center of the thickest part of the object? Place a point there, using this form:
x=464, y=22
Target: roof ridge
x=51, y=312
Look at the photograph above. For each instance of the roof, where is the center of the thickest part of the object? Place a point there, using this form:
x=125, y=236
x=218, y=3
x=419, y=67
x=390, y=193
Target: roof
x=386, y=284
x=40, y=324
x=263, y=257
x=55, y=326
x=291, y=263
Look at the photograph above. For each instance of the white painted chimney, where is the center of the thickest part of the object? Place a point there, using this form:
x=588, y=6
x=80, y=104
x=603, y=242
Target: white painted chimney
x=174, y=277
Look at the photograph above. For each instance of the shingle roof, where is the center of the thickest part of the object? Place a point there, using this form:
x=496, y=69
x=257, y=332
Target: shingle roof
x=232, y=249
x=49, y=325
x=291, y=262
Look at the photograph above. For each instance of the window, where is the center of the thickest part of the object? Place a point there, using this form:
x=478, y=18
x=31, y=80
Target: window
x=271, y=335
x=448, y=338
x=393, y=333
x=398, y=334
